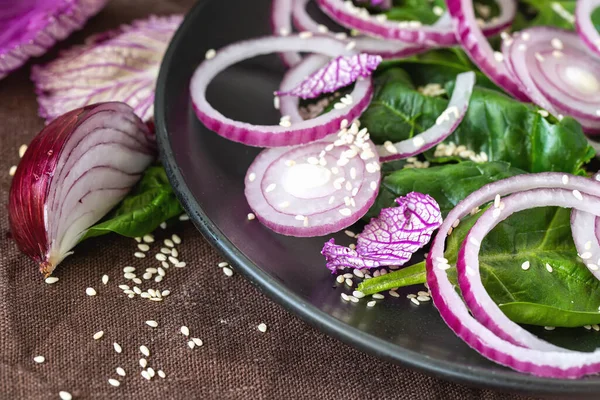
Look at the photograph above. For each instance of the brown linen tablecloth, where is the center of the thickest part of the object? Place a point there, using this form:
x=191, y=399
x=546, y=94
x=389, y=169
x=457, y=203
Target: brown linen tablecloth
x=291, y=360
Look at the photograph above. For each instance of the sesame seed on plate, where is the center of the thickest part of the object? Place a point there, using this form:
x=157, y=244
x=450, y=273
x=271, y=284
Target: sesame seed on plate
x=228, y=271
x=163, y=225
x=51, y=279
x=143, y=362
x=340, y=279
x=210, y=54
x=423, y=298
x=128, y=269
x=549, y=328
x=357, y=272
x=160, y=257
x=121, y=371
x=146, y=375
x=371, y=303
x=349, y=282
x=596, y=327
x=90, y=291
x=378, y=296
x=129, y=275
x=222, y=264
x=64, y=395
x=165, y=250
x=251, y=216
x=124, y=287
x=151, y=323
x=117, y=347
x=98, y=335
x=358, y=294
x=39, y=359
x=12, y=170
x=344, y=297
x=191, y=344
x=150, y=372
x=22, y=150
x=393, y=293
x=588, y=327
x=182, y=217
x=165, y=293
x=104, y=279
x=139, y=254
x=161, y=373
x=169, y=243
x=415, y=301
x=185, y=330
x=148, y=238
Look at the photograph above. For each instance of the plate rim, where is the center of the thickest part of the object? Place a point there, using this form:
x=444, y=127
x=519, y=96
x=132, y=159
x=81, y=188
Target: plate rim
x=507, y=380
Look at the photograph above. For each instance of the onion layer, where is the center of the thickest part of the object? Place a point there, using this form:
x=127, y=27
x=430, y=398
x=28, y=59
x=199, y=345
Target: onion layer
x=446, y=123
x=493, y=335
x=74, y=171
x=315, y=189
x=585, y=26
x=281, y=25
x=287, y=133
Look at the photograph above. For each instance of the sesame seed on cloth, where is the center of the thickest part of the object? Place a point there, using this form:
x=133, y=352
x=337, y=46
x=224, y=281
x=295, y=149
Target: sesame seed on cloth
x=236, y=361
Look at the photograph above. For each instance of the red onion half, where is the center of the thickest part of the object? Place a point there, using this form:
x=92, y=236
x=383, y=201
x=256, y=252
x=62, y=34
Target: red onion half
x=585, y=27
x=74, y=171
x=446, y=123
x=315, y=189
x=490, y=332
x=286, y=133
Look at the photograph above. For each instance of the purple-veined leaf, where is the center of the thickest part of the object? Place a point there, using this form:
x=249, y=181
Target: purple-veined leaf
x=391, y=238
x=120, y=65
x=338, y=73
x=28, y=28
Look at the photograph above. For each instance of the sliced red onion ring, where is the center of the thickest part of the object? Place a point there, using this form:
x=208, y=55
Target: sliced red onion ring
x=387, y=49
x=584, y=25
x=544, y=360
x=286, y=134
x=281, y=25
x=29, y=28
x=315, y=189
x=479, y=50
x=439, y=34
x=586, y=235
x=446, y=123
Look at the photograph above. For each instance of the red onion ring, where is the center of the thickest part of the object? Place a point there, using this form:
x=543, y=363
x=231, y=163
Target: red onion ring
x=446, y=123
x=479, y=50
x=274, y=136
x=387, y=49
x=315, y=189
x=439, y=34
x=585, y=27
x=547, y=362
x=281, y=25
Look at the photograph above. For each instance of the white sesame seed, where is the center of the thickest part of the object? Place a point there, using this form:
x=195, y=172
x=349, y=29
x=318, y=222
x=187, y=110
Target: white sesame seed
x=169, y=243
x=588, y=245
x=596, y=327
x=557, y=43
x=592, y=267
x=161, y=257
x=586, y=255
x=90, y=291
x=371, y=303
x=353, y=299
x=543, y=113
x=51, y=279
x=165, y=293
x=358, y=294
x=139, y=254
x=577, y=194
x=161, y=271
x=228, y=271
x=358, y=273
x=121, y=371
x=270, y=188
x=393, y=293
x=549, y=328
x=344, y=297
x=161, y=373
x=144, y=350
x=12, y=170
x=39, y=359
x=143, y=362
x=349, y=282
x=339, y=279
x=588, y=327
x=98, y=335
x=378, y=296
x=143, y=247
x=152, y=323
x=499, y=57
x=165, y=250
x=182, y=217
x=497, y=200
x=117, y=347
x=525, y=266
x=185, y=330
x=345, y=212
x=565, y=179
x=198, y=342
x=129, y=275
x=548, y=267
x=210, y=53
x=64, y=395
x=191, y=344
x=163, y=225
x=146, y=375
x=415, y=301
x=151, y=372
x=148, y=238
x=423, y=298
x=128, y=269
x=22, y=150
x=124, y=287
x=180, y=264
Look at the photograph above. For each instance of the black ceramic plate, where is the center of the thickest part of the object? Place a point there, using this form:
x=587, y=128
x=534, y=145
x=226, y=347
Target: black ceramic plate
x=207, y=173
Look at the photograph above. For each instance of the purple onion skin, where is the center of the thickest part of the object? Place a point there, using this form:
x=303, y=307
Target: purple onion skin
x=32, y=181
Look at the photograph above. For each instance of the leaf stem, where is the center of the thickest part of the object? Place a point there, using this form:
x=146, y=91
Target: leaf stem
x=413, y=275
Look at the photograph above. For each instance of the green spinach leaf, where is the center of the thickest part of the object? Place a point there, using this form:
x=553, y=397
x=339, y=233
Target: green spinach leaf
x=447, y=184
x=142, y=211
